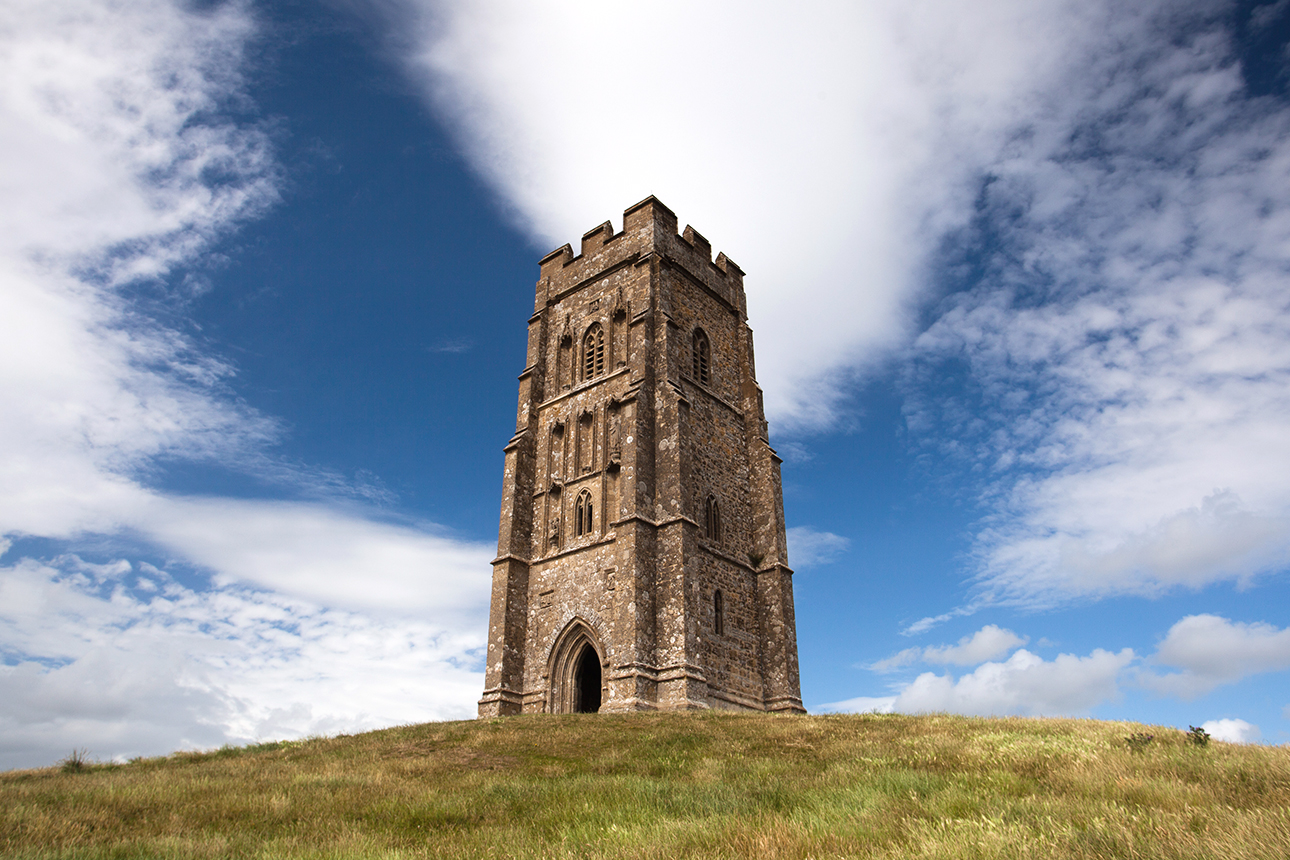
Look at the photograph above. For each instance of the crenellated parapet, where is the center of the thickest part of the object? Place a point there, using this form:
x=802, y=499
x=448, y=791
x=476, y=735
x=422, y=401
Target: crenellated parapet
x=649, y=227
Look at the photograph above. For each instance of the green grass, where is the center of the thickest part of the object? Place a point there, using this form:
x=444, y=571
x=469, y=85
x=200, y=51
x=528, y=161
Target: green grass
x=676, y=785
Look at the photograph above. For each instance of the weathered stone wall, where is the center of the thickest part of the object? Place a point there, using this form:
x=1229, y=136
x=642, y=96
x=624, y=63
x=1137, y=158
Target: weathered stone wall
x=648, y=443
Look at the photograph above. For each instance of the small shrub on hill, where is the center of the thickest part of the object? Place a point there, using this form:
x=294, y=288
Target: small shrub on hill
x=1139, y=741
x=77, y=761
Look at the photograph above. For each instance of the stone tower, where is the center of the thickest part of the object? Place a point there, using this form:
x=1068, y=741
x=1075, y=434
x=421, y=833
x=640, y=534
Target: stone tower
x=641, y=559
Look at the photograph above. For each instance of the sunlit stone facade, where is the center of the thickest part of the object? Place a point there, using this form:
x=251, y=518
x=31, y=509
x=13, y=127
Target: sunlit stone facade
x=641, y=557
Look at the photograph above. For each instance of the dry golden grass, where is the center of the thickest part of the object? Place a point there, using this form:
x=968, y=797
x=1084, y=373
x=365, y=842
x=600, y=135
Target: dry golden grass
x=677, y=785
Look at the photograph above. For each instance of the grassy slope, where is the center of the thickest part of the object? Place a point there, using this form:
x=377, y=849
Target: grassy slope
x=678, y=785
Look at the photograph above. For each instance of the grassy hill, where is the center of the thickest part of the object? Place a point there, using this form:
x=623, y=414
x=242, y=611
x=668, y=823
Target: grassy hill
x=677, y=785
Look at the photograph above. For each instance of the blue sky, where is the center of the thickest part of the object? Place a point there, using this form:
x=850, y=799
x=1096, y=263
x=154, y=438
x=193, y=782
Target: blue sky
x=1017, y=273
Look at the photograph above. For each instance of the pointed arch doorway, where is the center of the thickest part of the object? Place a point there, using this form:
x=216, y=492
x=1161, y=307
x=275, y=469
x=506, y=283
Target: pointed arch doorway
x=586, y=681
x=577, y=676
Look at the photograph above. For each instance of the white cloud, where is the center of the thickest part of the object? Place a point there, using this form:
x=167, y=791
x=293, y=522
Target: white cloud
x=1024, y=684
x=333, y=556
x=1100, y=164
x=117, y=166
x=824, y=149
x=110, y=136
x=1208, y=649
x=902, y=658
x=922, y=625
x=988, y=643
x=1266, y=14
x=109, y=142
x=1212, y=650
x=1131, y=336
x=808, y=547
x=126, y=668
x=316, y=621
x=1232, y=731
x=794, y=452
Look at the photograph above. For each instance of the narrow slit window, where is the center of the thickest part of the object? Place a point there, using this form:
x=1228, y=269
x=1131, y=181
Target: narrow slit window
x=712, y=519
x=593, y=352
x=718, y=612
x=702, y=355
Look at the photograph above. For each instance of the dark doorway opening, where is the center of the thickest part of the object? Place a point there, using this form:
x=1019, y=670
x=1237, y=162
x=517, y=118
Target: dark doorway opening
x=586, y=679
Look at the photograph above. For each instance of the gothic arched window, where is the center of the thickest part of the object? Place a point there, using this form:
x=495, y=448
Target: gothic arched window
x=701, y=353
x=712, y=519
x=582, y=514
x=593, y=352
x=718, y=612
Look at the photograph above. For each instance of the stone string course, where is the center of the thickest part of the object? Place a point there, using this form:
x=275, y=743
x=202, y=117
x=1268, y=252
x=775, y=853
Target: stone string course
x=649, y=445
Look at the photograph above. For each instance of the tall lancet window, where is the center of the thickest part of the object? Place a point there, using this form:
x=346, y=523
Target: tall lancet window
x=582, y=514
x=718, y=612
x=712, y=520
x=593, y=352
x=701, y=352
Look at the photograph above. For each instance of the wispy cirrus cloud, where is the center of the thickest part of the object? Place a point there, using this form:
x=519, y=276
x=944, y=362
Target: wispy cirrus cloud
x=118, y=161
x=452, y=345
x=122, y=161
x=988, y=643
x=809, y=547
x=1126, y=342
x=116, y=166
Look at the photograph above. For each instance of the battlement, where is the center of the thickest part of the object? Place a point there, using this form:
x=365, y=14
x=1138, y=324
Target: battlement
x=594, y=239
x=649, y=227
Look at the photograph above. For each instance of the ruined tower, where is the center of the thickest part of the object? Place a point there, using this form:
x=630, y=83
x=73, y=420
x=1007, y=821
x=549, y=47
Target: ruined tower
x=641, y=558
